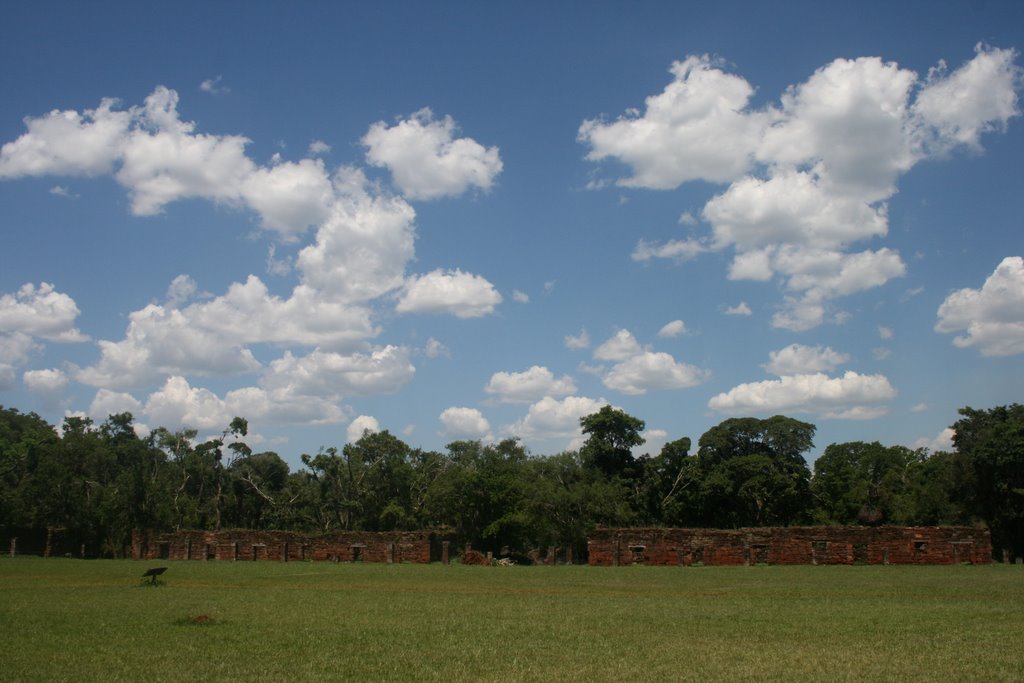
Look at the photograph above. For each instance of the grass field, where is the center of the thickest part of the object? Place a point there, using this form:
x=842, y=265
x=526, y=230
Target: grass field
x=93, y=621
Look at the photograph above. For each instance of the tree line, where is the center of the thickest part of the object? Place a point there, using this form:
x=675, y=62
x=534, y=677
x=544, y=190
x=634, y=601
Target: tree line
x=97, y=482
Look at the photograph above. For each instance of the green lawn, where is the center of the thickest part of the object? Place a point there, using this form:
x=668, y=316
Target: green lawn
x=92, y=621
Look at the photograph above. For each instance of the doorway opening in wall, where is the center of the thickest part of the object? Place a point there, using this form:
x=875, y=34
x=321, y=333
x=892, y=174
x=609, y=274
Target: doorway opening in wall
x=165, y=551
x=963, y=552
x=698, y=556
x=758, y=554
x=819, y=550
x=357, y=553
x=211, y=551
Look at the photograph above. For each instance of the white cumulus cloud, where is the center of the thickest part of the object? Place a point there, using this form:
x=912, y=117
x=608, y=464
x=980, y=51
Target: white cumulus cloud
x=620, y=346
x=177, y=404
x=425, y=158
x=578, y=341
x=991, y=318
x=652, y=371
x=359, y=426
x=40, y=312
x=810, y=176
x=851, y=396
x=464, y=423
x=797, y=359
x=47, y=385
x=637, y=369
x=106, y=403
x=673, y=329
x=327, y=374
x=696, y=128
x=528, y=386
x=68, y=143
x=943, y=441
x=742, y=308
x=463, y=295
x=551, y=418
x=979, y=97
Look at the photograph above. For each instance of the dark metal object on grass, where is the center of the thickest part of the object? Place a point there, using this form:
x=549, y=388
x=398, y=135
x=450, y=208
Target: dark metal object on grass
x=153, y=573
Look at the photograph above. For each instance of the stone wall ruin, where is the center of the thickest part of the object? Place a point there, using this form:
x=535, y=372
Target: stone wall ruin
x=283, y=546
x=790, y=545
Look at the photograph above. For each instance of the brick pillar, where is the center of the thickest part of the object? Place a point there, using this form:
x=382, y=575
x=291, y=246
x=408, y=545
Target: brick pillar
x=444, y=552
x=552, y=555
x=14, y=545
x=568, y=555
x=615, y=553
x=391, y=553
x=284, y=551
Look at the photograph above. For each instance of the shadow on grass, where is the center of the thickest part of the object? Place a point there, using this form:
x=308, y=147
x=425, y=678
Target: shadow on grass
x=197, y=620
x=152, y=583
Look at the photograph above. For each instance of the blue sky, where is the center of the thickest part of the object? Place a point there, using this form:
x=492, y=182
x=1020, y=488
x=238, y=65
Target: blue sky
x=476, y=220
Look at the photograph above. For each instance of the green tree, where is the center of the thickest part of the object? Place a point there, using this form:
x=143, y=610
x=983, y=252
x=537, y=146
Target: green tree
x=611, y=437
x=566, y=499
x=864, y=483
x=259, y=482
x=753, y=473
x=379, y=480
x=992, y=441
x=671, y=479
x=25, y=441
x=480, y=492
x=212, y=451
x=938, y=489
x=186, y=475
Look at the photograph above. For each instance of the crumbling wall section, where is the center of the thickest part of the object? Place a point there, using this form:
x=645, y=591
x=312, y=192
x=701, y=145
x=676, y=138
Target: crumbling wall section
x=790, y=545
x=283, y=546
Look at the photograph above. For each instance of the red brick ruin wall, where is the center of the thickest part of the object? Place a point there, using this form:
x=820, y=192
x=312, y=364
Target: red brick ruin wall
x=790, y=545
x=241, y=544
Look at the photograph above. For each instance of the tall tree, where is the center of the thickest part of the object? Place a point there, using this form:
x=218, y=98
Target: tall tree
x=864, y=483
x=753, y=472
x=670, y=483
x=992, y=441
x=611, y=437
x=25, y=441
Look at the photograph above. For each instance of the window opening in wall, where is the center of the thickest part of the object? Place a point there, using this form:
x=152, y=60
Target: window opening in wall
x=637, y=551
x=860, y=553
x=920, y=547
